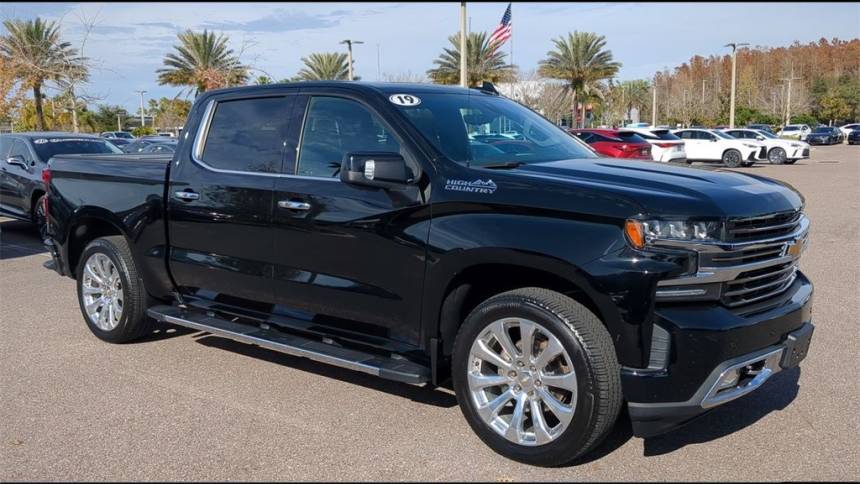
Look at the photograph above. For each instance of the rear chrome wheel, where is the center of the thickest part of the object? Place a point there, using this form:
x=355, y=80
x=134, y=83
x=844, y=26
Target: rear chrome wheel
x=102, y=292
x=111, y=295
x=522, y=381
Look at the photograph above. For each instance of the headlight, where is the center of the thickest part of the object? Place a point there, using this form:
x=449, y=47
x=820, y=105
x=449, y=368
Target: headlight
x=796, y=145
x=643, y=232
x=750, y=145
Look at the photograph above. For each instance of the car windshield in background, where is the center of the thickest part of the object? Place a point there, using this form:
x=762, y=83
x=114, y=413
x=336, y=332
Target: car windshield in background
x=50, y=147
x=823, y=130
x=665, y=134
x=722, y=135
x=477, y=130
x=790, y=128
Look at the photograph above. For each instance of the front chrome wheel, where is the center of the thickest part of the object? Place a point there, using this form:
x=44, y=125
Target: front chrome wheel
x=522, y=381
x=102, y=292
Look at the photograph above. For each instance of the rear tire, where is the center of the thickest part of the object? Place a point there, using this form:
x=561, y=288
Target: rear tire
x=557, y=425
x=732, y=158
x=111, y=295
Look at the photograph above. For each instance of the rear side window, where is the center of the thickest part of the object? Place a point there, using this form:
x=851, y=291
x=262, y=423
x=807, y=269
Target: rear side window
x=247, y=135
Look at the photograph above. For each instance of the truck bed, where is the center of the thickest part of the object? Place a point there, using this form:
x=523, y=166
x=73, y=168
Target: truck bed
x=125, y=191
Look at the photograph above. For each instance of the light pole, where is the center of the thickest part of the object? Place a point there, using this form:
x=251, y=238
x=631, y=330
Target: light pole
x=142, y=120
x=788, y=97
x=349, y=43
x=654, y=104
x=464, y=78
x=734, y=46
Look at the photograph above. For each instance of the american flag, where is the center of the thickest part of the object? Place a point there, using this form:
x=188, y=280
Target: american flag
x=502, y=32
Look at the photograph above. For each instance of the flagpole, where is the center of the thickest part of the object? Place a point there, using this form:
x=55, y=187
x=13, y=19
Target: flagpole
x=512, y=38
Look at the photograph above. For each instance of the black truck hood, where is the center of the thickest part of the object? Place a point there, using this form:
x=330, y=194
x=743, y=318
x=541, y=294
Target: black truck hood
x=672, y=190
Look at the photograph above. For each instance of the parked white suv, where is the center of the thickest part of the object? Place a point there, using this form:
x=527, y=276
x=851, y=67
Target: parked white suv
x=665, y=146
x=795, y=131
x=711, y=145
x=779, y=150
x=846, y=129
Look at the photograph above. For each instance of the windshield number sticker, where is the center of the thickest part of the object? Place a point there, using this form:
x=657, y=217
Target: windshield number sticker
x=404, y=99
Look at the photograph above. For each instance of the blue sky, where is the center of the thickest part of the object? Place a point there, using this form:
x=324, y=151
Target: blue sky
x=130, y=39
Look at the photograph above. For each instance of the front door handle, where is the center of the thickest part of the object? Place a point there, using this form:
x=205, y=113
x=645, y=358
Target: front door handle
x=294, y=205
x=187, y=195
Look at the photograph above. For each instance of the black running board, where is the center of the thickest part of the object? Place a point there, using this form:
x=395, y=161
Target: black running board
x=389, y=368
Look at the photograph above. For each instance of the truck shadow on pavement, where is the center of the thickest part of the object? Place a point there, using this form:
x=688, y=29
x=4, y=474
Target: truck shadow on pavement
x=19, y=239
x=774, y=395
x=428, y=395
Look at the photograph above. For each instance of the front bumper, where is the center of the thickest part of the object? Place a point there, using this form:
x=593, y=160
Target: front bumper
x=706, y=342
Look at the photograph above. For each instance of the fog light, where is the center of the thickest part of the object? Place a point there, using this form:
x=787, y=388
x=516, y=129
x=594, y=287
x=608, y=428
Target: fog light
x=729, y=379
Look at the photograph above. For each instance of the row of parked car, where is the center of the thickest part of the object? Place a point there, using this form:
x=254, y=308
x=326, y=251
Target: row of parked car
x=125, y=141
x=821, y=135
x=732, y=147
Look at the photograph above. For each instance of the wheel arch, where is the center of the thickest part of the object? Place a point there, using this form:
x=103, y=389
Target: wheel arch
x=476, y=282
x=86, y=225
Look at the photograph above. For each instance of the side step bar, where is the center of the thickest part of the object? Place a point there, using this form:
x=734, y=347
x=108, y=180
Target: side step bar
x=388, y=368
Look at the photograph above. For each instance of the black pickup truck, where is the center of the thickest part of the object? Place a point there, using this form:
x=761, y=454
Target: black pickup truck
x=429, y=234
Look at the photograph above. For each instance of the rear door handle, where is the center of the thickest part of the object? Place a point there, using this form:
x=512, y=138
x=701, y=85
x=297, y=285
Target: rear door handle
x=187, y=195
x=294, y=205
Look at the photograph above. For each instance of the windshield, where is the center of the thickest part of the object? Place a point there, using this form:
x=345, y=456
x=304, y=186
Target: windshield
x=482, y=130
x=822, y=130
x=50, y=147
x=766, y=134
x=722, y=135
x=790, y=128
x=123, y=134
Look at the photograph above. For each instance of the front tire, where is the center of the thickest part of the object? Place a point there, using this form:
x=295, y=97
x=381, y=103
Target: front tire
x=732, y=158
x=777, y=156
x=536, y=376
x=111, y=295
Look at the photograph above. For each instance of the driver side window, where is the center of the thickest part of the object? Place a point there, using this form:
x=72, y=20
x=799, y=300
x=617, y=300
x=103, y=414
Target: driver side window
x=334, y=127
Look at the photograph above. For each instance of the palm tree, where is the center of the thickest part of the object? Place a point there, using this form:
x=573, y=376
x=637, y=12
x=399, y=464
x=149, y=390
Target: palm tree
x=581, y=60
x=34, y=48
x=202, y=61
x=325, y=66
x=484, y=64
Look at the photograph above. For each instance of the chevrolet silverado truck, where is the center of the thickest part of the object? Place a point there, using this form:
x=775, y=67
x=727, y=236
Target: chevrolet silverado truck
x=386, y=229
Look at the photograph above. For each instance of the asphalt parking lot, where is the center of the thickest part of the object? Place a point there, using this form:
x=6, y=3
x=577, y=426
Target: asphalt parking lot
x=187, y=406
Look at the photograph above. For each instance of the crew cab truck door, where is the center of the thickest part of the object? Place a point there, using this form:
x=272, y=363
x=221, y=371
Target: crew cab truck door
x=347, y=257
x=220, y=200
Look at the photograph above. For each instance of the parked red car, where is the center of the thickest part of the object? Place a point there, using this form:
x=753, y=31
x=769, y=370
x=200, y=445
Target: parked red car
x=615, y=143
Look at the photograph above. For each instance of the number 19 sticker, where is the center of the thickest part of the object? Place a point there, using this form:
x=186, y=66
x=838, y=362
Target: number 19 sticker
x=404, y=99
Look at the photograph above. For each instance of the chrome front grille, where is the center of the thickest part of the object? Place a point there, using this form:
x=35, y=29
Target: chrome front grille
x=765, y=227
x=742, y=256
x=750, y=271
x=759, y=284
